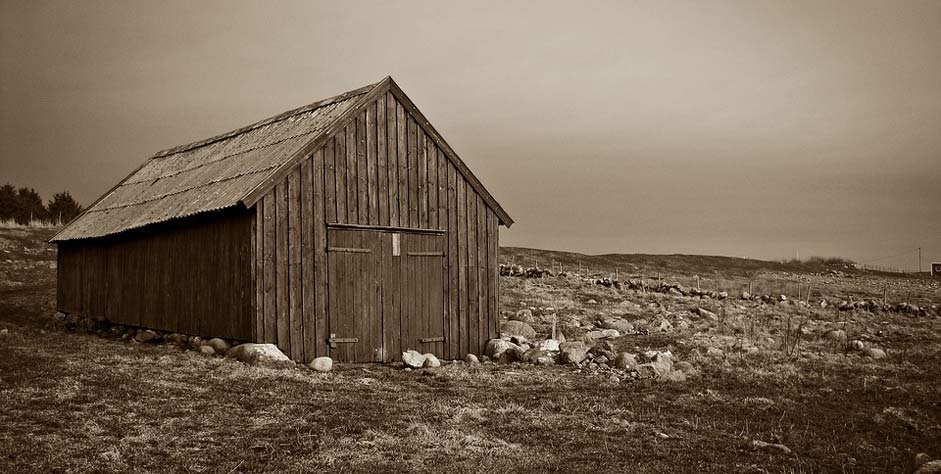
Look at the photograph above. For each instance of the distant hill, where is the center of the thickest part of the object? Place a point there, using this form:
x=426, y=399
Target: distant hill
x=647, y=264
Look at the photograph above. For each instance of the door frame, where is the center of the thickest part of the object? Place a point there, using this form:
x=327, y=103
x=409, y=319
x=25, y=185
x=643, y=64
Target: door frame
x=386, y=355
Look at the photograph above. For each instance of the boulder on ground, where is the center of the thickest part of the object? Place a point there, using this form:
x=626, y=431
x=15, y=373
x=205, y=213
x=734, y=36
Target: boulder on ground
x=431, y=361
x=524, y=315
x=686, y=368
x=220, y=345
x=836, y=335
x=550, y=345
x=322, y=364
x=497, y=347
x=207, y=350
x=707, y=314
x=413, y=359
x=267, y=355
x=625, y=360
x=573, y=352
x=855, y=345
x=662, y=361
x=146, y=336
x=930, y=467
x=873, y=352
x=471, y=359
x=194, y=342
x=177, y=339
x=621, y=325
x=714, y=352
x=517, y=328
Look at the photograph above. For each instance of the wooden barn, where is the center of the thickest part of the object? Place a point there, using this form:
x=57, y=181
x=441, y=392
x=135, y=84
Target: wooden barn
x=347, y=227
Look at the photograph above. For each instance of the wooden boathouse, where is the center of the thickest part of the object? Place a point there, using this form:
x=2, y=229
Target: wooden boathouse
x=347, y=228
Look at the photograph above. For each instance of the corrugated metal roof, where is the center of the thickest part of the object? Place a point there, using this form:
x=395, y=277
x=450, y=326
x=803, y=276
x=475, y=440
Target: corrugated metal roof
x=207, y=175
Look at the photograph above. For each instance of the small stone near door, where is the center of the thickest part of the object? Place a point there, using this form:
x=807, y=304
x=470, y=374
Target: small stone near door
x=413, y=359
x=431, y=361
x=322, y=364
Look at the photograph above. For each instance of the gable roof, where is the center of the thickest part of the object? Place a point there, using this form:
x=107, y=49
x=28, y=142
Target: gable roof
x=237, y=168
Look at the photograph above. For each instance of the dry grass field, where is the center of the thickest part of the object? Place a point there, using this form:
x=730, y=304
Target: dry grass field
x=80, y=402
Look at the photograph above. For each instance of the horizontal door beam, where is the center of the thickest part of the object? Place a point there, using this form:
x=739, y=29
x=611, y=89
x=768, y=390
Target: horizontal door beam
x=385, y=228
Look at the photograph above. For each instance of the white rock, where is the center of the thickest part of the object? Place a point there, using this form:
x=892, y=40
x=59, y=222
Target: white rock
x=413, y=359
x=431, y=361
x=322, y=364
x=258, y=354
x=549, y=345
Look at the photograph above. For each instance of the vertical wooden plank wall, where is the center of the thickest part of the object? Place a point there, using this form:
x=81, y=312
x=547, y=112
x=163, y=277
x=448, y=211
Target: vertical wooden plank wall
x=384, y=168
x=192, y=276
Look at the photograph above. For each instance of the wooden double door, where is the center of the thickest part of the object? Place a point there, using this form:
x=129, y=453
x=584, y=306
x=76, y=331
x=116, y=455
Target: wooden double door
x=385, y=293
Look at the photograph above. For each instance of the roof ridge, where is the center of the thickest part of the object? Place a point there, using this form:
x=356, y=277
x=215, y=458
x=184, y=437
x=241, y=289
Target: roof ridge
x=267, y=121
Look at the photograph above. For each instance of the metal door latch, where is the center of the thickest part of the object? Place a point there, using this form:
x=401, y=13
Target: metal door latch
x=334, y=340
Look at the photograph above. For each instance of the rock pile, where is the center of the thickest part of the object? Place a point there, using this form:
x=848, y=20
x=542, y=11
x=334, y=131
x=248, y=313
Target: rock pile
x=254, y=354
x=519, y=271
x=593, y=357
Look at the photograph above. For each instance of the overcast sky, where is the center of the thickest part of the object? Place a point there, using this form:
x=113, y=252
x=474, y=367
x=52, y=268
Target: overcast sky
x=757, y=129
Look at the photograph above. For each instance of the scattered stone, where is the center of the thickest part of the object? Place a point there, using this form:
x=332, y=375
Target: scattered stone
x=549, y=345
x=146, y=336
x=686, y=368
x=497, y=347
x=519, y=340
x=673, y=376
x=4, y=332
x=758, y=444
x=207, y=350
x=591, y=302
x=873, y=352
x=836, y=335
x=322, y=364
x=220, y=345
x=471, y=359
x=573, y=352
x=714, y=352
x=413, y=359
x=618, y=324
x=259, y=354
x=517, y=328
x=431, y=361
x=664, y=325
x=601, y=360
x=194, y=342
x=707, y=314
x=746, y=295
x=524, y=315
x=930, y=467
x=855, y=345
x=625, y=360
x=723, y=295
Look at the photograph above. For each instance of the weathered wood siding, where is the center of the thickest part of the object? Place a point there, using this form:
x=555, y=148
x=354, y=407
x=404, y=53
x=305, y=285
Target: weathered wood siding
x=191, y=276
x=384, y=168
